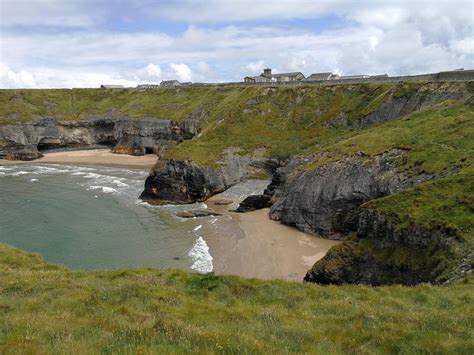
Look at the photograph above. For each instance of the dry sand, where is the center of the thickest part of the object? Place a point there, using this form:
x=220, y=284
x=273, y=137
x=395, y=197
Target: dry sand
x=102, y=157
x=268, y=249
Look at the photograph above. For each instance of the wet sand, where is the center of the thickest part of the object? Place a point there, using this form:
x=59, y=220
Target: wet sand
x=267, y=249
x=101, y=157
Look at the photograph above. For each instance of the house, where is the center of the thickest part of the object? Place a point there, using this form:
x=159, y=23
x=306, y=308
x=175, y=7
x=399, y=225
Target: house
x=170, y=83
x=112, y=87
x=323, y=76
x=148, y=86
x=268, y=77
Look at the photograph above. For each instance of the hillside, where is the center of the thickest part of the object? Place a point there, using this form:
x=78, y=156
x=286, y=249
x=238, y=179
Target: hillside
x=47, y=308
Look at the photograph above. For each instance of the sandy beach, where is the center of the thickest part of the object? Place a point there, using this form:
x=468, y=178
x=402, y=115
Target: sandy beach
x=102, y=157
x=267, y=249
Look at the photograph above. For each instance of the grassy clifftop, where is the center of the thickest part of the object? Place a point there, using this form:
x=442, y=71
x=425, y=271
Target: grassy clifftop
x=46, y=308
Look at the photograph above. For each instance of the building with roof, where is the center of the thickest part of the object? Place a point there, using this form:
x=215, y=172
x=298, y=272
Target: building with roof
x=170, y=83
x=322, y=76
x=148, y=86
x=268, y=77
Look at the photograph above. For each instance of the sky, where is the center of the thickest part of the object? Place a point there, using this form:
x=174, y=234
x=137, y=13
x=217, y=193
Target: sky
x=86, y=43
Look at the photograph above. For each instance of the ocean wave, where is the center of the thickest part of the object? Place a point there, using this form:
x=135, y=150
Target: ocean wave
x=19, y=173
x=105, y=189
x=33, y=180
x=120, y=183
x=202, y=259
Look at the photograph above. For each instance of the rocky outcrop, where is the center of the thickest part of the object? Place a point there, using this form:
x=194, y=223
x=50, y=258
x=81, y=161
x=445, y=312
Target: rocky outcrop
x=25, y=141
x=382, y=253
x=254, y=202
x=397, y=106
x=327, y=200
x=397, y=103
x=178, y=181
x=181, y=182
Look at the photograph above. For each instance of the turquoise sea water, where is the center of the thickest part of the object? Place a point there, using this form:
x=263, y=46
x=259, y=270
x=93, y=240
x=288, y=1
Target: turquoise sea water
x=90, y=218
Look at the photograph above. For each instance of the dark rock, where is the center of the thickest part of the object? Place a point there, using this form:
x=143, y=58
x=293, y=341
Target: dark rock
x=126, y=136
x=181, y=181
x=26, y=154
x=254, y=202
x=223, y=202
x=197, y=213
x=382, y=254
x=327, y=200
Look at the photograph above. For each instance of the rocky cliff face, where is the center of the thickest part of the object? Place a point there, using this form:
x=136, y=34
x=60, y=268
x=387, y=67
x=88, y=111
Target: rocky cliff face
x=327, y=200
x=174, y=181
x=382, y=253
x=25, y=141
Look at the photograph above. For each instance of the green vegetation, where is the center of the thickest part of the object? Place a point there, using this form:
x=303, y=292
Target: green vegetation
x=447, y=203
x=76, y=104
x=49, y=309
x=436, y=139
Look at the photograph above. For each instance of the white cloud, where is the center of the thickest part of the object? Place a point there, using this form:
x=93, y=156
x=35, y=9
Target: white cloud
x=255, y=68
x=71, y=13
x=402, y=37
x=182, y=71
x=10, y=78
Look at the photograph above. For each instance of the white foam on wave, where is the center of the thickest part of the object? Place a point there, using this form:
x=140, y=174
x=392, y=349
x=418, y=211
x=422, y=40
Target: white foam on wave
x=119, y=183
x=105, y=189
x=197, y=228
x=33, y=180
x=49, y=170
x=19, y=173
x=202, y=259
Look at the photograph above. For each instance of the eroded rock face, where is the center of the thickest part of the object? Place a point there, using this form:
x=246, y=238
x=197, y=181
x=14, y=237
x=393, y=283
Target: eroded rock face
x=254, y=202
x=181, y=182
x=381, y=253
x=25, y=141
x=327, y=200
x=177, y=181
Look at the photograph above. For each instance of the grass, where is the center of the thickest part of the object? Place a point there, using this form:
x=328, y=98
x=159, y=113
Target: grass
x=49, y=309
x=75, y=104
x=447, y=203
x=435, y=139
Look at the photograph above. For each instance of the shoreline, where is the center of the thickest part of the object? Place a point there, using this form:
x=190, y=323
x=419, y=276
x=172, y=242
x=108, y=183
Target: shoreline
x=94, y=157
x=268, y=249
x=247, y=244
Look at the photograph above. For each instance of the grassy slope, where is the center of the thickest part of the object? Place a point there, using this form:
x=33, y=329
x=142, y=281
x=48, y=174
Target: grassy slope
x=64, y=104
x=284, y=120
x=45, y=308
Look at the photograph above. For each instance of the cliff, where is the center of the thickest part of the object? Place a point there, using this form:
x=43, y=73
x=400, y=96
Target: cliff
x=25, y=141
x=345, y=161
